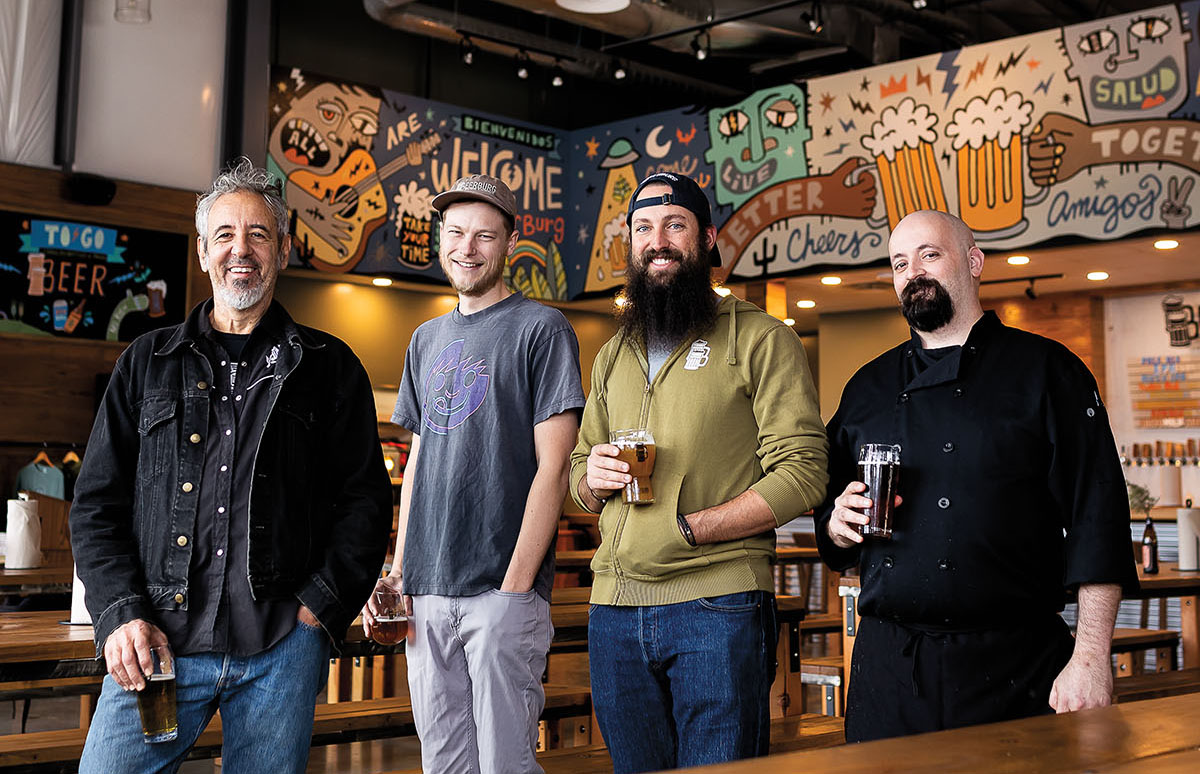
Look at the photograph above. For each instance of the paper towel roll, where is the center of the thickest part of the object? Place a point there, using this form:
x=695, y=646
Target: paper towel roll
x=24, y=550
x=1170, y=485
x=1188, y=521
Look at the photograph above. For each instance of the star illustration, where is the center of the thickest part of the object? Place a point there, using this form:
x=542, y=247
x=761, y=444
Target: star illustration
x=829, y=131
x=1101, y=182
x=429, y=114
x=1032, y=64
x=1066, y=99
x=583, y=235
x=593, y=148
x=826, y=103
x=790, y=151
x=865, y=85
x=591, y=189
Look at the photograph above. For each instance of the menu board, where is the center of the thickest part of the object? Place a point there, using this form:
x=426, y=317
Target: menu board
x=1165, y=390
x=88, y=280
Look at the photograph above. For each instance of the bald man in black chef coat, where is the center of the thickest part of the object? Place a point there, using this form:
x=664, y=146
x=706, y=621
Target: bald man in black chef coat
x=1011, y=495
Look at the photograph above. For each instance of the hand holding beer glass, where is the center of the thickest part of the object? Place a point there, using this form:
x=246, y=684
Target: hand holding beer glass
x=636, y=448
x=156, y=700
x=865, y=507
x=391, y=616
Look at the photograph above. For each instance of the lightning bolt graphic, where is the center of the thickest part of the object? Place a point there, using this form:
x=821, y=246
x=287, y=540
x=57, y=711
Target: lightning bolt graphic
x=836, y=151
x=847, y=125
x=1044, y=86
x=1004, y=67
x=946, y=65
x=977, y=70
x=862, y=107
x=924, y=80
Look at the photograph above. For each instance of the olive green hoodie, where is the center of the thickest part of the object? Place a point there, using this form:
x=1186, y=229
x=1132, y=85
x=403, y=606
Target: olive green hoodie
x=732, y=410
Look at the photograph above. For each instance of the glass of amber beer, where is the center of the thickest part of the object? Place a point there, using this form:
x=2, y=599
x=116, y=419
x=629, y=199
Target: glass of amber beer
x=391, y=619
x=156, y=701
x=879, y=469
x=636, y=447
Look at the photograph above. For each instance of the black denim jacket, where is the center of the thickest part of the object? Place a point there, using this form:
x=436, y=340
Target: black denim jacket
x=320, y=503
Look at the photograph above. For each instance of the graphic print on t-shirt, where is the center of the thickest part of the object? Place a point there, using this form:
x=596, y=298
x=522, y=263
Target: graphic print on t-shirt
x=454, y=388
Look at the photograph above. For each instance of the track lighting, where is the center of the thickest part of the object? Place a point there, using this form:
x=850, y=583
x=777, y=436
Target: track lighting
x=813, y=19
x=701, y=48
x=919, y=4
x=523, y=64
x=556, y=80
x=466, y=50
x=619, y=71
x=1030, y=293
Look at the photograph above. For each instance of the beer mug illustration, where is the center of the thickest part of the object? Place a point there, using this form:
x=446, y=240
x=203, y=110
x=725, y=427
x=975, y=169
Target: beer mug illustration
x=1182, y=328
x=987, y=141
x=902, y=143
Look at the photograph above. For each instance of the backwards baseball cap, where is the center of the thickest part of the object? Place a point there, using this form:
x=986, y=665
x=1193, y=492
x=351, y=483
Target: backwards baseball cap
x=480, y=188
x=684, y=193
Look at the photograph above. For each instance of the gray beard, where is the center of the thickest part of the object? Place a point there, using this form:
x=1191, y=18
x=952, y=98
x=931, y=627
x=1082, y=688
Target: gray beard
x=240, y=298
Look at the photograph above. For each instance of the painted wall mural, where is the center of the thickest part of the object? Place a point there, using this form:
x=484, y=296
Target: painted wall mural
x=1090, y=130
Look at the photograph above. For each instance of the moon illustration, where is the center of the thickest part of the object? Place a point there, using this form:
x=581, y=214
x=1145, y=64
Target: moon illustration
x=654, y=149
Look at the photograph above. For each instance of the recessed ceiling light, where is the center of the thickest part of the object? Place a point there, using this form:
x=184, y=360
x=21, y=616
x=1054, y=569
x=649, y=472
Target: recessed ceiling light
x=831, y=280
x=789, y=321
x=1018, y=260
x=722, y=291
x=1167, y=244
x=381, y=282
x=806, y=303
x=1097, y=276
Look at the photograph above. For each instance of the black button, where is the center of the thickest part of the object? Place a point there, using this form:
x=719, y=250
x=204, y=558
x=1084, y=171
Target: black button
x=947, y=447
x=958, y=392
x=904, y=397
x=908, y=353
x=945, y=564
x=972, y=350
x=888, y=561
x=943, y=502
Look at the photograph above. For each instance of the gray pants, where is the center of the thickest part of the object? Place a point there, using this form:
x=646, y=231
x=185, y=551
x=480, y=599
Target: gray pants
x=475, y=669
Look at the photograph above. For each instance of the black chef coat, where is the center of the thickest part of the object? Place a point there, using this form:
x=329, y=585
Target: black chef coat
x=1013, y=491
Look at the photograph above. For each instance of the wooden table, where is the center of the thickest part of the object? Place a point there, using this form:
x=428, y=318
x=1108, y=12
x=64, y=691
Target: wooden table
x=41, y=580
x=1145, y=737
x=1169, y=581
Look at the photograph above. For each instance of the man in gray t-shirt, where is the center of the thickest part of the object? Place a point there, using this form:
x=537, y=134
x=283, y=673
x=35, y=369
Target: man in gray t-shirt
x=492, y=394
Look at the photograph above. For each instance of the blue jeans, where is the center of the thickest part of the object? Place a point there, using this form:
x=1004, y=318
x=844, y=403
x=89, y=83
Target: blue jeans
x=686, y=684
x=266, y=702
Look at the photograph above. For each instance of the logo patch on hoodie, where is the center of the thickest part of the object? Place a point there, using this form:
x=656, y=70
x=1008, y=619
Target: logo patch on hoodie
x=697, y=356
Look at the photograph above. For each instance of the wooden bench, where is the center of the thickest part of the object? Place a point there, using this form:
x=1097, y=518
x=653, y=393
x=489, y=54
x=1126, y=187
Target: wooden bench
x=332, y=724
x=788, y=734
x=1130, y=645
x=1156, y=685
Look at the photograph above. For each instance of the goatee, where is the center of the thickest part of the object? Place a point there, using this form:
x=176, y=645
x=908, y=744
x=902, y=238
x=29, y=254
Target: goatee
x=670, y=308
x=926, y=304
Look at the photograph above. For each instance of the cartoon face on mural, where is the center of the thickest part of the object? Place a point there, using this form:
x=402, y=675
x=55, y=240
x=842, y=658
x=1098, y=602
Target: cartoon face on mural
x=758, y=141
x=1129, y=66
x=323, y=125
x=454, y=389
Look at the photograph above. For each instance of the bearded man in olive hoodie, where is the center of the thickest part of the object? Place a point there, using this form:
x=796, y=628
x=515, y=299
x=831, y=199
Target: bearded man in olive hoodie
x=682, y=631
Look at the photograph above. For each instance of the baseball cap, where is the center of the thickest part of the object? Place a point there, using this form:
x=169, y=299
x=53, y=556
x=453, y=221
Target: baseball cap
x=684, y=192
x=481, y=188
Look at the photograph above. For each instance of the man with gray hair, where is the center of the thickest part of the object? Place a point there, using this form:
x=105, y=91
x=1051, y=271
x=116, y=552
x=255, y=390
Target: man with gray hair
x=233, y=504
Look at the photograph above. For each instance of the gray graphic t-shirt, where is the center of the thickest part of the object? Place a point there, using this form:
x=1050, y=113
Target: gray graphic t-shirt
x=474, y=386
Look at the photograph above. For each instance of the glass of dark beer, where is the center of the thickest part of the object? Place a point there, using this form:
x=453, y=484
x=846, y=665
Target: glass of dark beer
x=636, y=447
x=156, y=701
x=879, y=469
x=391, y=619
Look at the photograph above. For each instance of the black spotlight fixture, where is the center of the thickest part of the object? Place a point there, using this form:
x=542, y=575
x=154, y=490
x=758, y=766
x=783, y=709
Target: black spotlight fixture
x=556, y=78
x=466, y=51
x=523, y=63
x=702, y=45
x=812, y=18
x=1030, y=293
x=618, y=72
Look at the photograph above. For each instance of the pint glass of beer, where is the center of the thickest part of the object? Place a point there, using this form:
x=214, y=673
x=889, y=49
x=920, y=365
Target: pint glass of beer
x=636, y=447
x=991, y=195
x=156, y=702
x=391, y=620
x=879, y=469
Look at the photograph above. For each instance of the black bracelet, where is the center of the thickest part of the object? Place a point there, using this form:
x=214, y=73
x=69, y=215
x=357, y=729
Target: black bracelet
x=686, y=529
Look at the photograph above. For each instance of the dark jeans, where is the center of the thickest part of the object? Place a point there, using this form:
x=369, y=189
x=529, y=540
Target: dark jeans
x=685, y=684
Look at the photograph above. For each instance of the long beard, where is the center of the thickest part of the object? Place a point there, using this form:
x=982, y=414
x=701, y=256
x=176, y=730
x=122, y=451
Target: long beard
x=926, y=304
x=671, y=308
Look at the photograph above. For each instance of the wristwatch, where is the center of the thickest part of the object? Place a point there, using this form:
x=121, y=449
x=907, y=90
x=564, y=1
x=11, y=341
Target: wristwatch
x=686, y=529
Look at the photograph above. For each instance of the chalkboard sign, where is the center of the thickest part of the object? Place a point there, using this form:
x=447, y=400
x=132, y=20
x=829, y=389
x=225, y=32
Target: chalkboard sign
x=86, y=280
